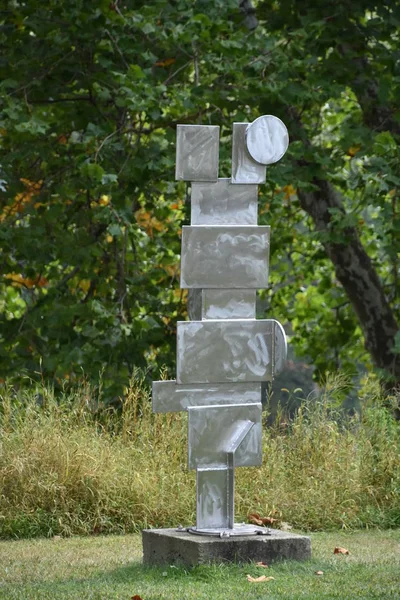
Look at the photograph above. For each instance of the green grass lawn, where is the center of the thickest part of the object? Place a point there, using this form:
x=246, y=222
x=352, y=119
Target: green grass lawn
x=111, y=568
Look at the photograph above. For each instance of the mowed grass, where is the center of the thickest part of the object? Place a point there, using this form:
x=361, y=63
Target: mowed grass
x=101, y=568
x=70, y=467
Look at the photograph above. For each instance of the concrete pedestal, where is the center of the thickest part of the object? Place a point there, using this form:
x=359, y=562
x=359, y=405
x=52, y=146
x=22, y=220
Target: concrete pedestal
x=174, y=547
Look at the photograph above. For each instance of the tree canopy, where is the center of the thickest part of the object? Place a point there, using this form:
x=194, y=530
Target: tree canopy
x=90, y=214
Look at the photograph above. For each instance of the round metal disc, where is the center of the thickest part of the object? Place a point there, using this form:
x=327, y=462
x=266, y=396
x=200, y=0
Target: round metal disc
x=238, y=530
x=267, y=139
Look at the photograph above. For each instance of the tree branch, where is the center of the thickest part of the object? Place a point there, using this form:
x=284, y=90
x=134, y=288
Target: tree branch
x=54, y=100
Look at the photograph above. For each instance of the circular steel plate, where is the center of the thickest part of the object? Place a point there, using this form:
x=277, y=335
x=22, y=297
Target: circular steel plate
x=267, y=139
x=238, y=530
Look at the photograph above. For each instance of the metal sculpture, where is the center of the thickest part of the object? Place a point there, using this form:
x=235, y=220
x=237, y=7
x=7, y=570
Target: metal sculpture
x=223, y=358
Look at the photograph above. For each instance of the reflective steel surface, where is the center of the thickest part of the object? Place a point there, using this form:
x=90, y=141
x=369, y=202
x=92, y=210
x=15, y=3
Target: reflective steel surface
x=225, y=257
x=224, y=355
x=229, y=304
x=228, y=351
x=244, y=168
x=213, y=498
x=213, y=431
x=267, y=139
x=224, y=203
x=168, y=396
x=197, y=152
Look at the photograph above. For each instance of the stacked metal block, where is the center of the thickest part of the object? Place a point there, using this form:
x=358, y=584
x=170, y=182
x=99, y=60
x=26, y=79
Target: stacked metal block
x=223, y=358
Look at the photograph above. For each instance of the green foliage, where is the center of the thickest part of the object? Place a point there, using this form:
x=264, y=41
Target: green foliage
x=68, y=467
x=90, y=213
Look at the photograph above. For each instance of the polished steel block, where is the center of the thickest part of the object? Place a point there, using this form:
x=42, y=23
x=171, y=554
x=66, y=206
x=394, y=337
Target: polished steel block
x=223, y=203
x=168, y=396
x=244, y=168
x=267, y=139
x=213, y=431
x=229, y=351
x=214, y=498
x=197, y=152
x=229, y=304
x=225, y=257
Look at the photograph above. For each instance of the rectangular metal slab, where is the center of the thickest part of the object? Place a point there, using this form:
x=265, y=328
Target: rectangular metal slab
x=225, y=256
x=168, y=396
x=228, y=351
x=223, y=203
x=228, y=304
x=244, y=168
x=197, y=152
x=214, y=498
x=212, y=430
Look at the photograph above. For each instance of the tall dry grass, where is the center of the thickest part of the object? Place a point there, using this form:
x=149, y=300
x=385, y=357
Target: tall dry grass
x=68, y=467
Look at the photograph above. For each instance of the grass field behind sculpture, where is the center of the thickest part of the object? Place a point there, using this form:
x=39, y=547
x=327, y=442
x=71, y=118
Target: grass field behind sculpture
x=67, y=467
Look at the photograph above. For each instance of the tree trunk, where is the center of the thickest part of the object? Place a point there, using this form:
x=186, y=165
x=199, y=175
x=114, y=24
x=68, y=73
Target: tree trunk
x=354, y=270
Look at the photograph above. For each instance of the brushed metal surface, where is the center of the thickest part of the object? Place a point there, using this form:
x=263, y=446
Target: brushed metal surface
x=213, y=429
x=267, y=139
x=214, y=498
x=229, y=304
x=244, y=168
x=223, y=203
x=195, y=304
x=280, y=348
x=225, y=256
x=237, y=437
x=224, y=359
x=197, y=152
x=229, y=351
x=231, y=484
x=168, y=396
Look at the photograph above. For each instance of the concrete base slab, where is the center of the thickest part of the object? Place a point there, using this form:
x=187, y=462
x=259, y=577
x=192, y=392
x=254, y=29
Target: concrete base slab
x=175, y=547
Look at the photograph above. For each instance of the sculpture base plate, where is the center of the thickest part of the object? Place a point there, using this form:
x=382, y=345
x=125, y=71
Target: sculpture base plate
x=179, y=547
x=238, y=529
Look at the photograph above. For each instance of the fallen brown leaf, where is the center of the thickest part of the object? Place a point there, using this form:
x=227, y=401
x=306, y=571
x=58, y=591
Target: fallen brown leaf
x=136, y=597
x=339, y=550
x=262, y=564
x=255, y=518
x=319, y=572
x=258, y=520
x=269, y=520
x=259, y=579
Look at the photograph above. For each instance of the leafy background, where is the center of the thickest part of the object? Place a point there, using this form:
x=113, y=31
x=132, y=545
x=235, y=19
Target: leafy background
x=90, y=214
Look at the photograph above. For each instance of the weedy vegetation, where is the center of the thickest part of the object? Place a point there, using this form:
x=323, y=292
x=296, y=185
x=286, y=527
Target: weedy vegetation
x=69, y=466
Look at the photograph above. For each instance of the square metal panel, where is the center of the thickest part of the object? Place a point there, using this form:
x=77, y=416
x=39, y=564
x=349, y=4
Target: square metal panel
x=223, y=203
x=197, y=152
x=229, y=304
x=228, y=351
x=214, y=498
x=212, y=430
x=168, y=396
x=225, y=257
x=244, y=168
